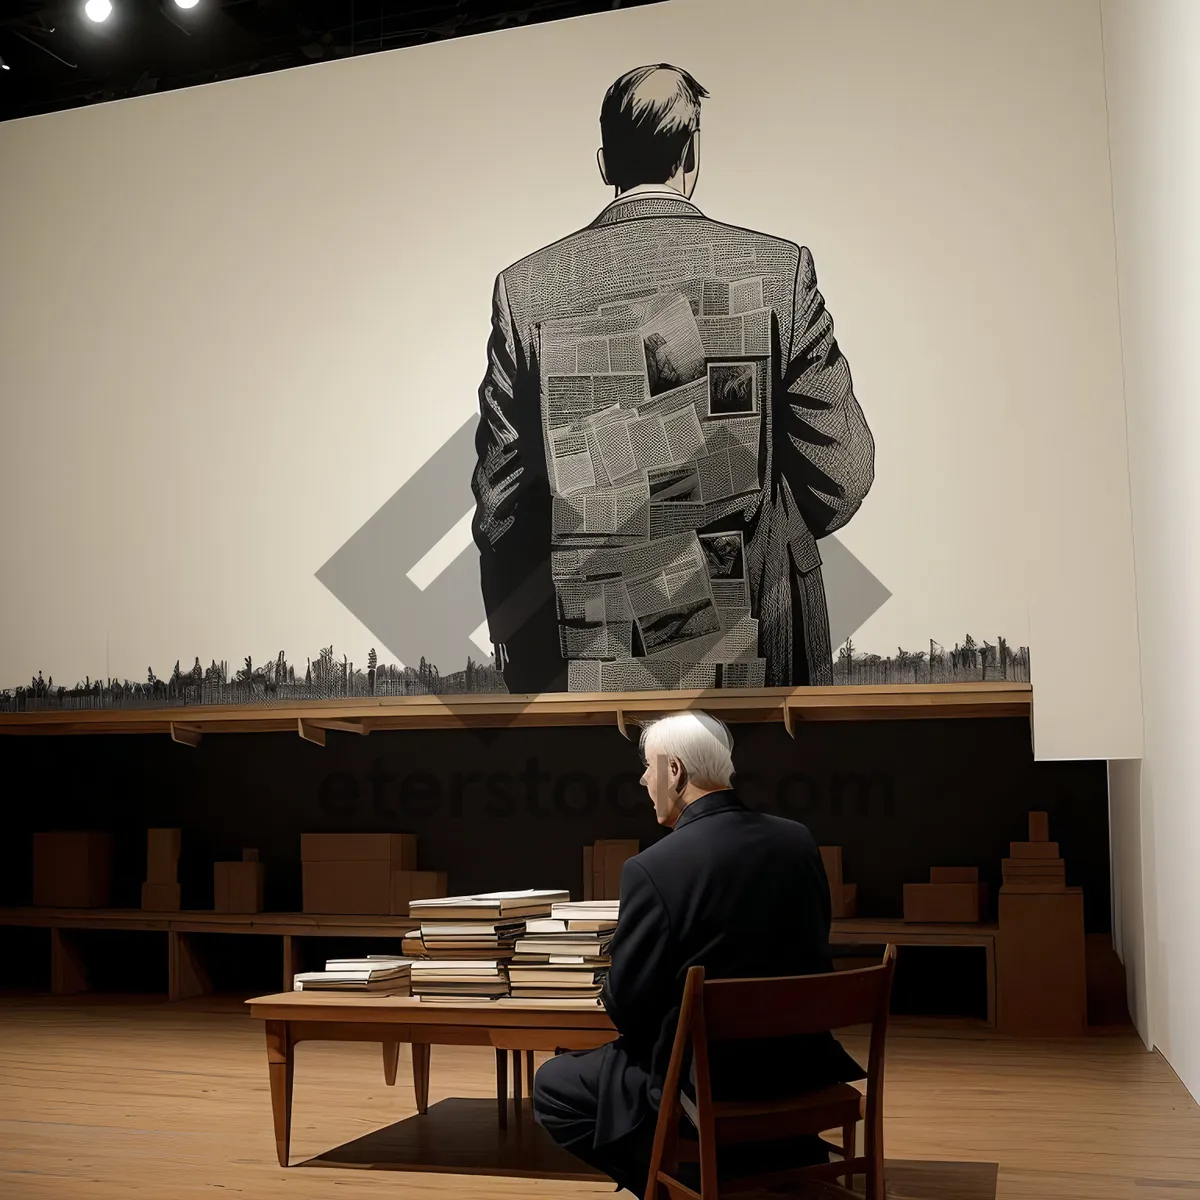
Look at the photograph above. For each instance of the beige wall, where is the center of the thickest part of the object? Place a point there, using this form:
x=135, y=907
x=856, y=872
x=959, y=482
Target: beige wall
x=1151, y=52
x=235, y=318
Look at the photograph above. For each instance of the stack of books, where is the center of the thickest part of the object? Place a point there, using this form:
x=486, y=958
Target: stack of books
x=566, y=955
x=450, y=979
x=470, y=939
x=381, y=974
x=465, y=943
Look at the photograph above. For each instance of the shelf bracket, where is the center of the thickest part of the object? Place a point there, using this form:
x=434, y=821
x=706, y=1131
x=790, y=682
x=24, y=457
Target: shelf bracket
x=185, y=735
x=344, y=727
x=309, y=732
x=622, y=726
x=789, y=719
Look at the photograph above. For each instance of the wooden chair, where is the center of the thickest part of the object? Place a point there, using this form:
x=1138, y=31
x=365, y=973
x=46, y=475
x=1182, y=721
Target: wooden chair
x=731, y=1010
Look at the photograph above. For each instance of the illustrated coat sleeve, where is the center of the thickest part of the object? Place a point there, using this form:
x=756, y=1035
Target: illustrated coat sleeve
x=827, y=453
x=641, y=984
x=509, y=480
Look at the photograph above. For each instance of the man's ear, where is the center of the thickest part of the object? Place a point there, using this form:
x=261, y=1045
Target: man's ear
x=691, y=165
x=600, y=163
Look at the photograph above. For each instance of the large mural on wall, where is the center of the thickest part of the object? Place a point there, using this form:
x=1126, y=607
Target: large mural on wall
x=668, y=435
x=668, y=426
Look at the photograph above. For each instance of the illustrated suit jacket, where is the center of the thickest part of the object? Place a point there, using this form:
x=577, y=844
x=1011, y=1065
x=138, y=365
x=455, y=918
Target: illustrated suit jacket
x=744, y=895
x=817, y=453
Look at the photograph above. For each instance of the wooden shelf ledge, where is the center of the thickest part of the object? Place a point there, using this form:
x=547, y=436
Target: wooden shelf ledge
x=200, y=921
x=788, y=706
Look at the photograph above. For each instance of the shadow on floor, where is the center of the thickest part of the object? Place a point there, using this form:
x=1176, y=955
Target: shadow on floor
x=462, y=1137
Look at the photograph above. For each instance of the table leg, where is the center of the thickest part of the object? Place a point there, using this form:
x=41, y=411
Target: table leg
x=281, y=1055
x=518, y=1072
x=391, y=1062
x=502, y=1086
x=529, y=1070
x=420, y=1063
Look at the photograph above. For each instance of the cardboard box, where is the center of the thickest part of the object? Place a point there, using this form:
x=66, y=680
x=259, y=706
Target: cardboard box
x=831, y=858
x=942, y=903
x=1045, y=871
x=160, y=897
x=599, y=854
x=415, y=885
x=608, y=857
x=954, y=875
x=1033, y=849
x=238, y=887
x=361, y=888
x=1041, y=964
x=1039, y=827
x=162, y=855
x=588, y=852
x=397, y=849
x=1033, y=887
x=72, y=870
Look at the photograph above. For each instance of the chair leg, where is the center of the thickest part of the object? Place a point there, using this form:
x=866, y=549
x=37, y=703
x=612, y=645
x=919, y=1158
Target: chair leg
x=848, y=1143
x=873, y=1150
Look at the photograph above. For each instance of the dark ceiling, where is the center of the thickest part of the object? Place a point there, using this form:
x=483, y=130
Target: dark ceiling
x=57, y=58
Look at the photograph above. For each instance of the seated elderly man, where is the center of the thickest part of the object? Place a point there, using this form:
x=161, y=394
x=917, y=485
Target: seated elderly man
x=739, y=893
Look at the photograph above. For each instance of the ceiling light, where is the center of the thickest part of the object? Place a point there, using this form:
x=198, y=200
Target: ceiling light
x=98, y=10
x=186, y=3
x=3, y=65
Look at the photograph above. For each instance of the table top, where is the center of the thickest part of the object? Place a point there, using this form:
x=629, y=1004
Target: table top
x=409, y=1010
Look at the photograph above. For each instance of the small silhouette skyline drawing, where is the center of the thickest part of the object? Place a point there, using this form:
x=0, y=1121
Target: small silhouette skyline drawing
x=329, y=677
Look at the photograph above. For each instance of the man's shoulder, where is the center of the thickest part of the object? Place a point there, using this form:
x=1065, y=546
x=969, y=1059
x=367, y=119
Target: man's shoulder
x=723, y=828
x=675, y=231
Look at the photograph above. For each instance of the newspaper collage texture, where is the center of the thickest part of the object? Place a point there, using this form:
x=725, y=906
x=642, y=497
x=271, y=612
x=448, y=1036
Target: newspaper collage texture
x=653, y=417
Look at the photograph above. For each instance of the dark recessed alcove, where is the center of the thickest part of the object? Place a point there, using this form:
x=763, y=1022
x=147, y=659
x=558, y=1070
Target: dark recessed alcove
x=513, y=808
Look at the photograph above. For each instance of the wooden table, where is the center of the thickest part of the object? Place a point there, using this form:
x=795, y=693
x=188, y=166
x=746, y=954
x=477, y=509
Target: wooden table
x=506, y=1025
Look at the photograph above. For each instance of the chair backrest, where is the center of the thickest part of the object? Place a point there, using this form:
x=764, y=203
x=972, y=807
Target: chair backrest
x=735, y=1009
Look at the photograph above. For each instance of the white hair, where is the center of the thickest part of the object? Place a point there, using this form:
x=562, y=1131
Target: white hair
x=700, y=742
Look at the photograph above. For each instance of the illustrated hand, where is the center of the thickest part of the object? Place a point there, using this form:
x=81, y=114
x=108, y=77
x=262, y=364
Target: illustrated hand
x=501, y=651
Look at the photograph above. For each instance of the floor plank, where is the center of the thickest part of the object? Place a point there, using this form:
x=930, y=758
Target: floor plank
x=104, y=1097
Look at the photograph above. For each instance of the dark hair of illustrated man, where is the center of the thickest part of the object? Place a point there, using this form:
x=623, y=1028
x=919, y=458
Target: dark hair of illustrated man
x=647, y=122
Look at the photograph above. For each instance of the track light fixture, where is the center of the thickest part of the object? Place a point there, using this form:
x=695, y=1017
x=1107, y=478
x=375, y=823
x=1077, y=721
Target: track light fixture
x=98, y=10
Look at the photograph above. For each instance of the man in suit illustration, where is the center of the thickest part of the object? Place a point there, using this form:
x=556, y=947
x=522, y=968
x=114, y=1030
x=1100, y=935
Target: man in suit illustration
x=786, y=404
x=743, y=895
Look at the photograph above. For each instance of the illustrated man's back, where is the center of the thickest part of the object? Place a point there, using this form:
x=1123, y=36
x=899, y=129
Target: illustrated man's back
x=646, y=246
x=658, y=380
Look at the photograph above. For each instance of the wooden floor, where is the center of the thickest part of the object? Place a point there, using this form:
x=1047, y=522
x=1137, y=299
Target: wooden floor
x=102, y=1099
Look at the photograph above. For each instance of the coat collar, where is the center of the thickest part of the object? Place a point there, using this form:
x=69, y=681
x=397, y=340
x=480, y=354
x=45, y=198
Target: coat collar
x=707, y=806
x=646, y=204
